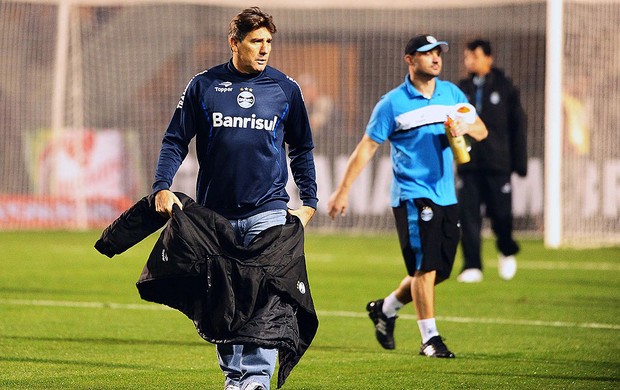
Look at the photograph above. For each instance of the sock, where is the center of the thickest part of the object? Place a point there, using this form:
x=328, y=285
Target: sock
x=391, y=305
x=428, y=329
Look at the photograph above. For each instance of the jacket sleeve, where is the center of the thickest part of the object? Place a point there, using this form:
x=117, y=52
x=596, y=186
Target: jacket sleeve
x=135, y=224
x=298, y=136
x=518, y=144
x=181, y=130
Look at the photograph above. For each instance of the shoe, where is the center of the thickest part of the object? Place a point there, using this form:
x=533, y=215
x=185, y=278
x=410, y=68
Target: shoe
x=436, y=348
x=254, y=386
x=384, y=327
x=231, y=387
x=507, y=267
x=470, y=275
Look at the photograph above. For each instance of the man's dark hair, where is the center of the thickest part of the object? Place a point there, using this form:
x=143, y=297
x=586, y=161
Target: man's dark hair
x=480, y=43
x=249, y=20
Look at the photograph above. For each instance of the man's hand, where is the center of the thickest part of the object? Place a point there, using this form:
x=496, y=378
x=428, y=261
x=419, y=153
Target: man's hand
x=164, y=200
x=456, y=127
x=339, y=200
x=304, y=213
x=338, y=203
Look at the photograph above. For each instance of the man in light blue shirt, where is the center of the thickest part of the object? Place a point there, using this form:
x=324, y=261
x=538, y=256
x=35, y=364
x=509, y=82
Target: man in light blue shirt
x=423, y=196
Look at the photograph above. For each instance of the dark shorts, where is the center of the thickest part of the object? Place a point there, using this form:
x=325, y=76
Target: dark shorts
x=429, y=235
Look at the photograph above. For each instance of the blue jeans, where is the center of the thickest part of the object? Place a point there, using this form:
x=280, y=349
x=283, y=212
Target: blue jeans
x=247, y=364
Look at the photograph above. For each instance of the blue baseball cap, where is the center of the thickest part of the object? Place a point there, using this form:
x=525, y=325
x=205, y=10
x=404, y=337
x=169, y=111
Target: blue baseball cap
x=423, y=43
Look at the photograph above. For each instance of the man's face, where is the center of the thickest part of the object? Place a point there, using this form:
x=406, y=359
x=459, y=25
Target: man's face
x=427, y=64
x=477, y=62
x=251, y=54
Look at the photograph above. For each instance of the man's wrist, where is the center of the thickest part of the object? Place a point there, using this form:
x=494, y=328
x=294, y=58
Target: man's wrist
x=312, y=203
x=159, y=185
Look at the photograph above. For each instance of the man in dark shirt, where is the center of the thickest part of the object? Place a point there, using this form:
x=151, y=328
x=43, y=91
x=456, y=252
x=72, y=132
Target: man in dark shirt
x=486, y=178
x=242, y=114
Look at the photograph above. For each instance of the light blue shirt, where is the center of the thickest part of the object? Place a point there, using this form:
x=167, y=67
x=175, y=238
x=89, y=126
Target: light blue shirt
x=422, y=161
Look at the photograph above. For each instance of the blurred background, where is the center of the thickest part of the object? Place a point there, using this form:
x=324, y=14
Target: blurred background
x=87, y=89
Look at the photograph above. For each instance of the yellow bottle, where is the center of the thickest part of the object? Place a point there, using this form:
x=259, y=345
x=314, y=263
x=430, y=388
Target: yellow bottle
x=467, y=113
x=457, y=144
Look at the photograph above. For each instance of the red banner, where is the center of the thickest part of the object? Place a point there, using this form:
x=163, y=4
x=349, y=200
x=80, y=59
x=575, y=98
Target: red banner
x=44, y=212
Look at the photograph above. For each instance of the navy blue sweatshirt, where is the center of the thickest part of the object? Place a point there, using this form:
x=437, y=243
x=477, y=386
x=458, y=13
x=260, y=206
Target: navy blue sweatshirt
x=505, y=149
x=241, y=123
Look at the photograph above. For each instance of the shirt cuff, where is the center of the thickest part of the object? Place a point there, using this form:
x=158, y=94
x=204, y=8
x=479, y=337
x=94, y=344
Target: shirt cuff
x=160, y=185
x=311, y=203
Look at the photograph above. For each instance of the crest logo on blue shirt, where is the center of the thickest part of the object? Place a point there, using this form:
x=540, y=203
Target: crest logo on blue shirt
x=245, y=99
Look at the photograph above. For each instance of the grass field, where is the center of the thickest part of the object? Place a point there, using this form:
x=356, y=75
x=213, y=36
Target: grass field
x=71, y=318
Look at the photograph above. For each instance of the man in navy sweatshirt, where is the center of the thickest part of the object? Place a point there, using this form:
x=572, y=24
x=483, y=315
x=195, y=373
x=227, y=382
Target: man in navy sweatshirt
x=486, y=179
x=242, y=114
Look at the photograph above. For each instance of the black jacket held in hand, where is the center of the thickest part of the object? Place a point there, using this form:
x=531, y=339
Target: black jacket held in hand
x=505, y=148
x=234, y=295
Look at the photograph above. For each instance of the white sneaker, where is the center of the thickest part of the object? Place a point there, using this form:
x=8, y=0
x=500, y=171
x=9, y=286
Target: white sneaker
x=231, y=387
x=507, y=267
x=254, y=386
x=470, y=275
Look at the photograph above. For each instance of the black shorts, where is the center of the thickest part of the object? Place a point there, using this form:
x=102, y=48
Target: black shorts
x=429, y=235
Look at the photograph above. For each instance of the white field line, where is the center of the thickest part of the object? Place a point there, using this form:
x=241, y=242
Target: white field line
x=88, y=305
x=347, y=314
x=471, y=320
x=562, y=265
x=492, y=263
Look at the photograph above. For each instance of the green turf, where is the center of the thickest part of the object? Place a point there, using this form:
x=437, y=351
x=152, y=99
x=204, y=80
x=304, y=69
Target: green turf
x=555, y=326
